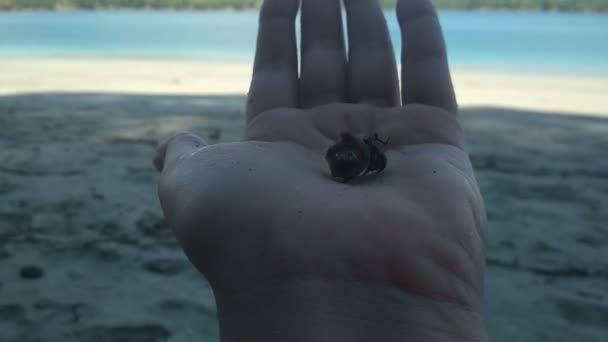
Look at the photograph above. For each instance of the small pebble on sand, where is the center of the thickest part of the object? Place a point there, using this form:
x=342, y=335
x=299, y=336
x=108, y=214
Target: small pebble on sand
x=31, y=272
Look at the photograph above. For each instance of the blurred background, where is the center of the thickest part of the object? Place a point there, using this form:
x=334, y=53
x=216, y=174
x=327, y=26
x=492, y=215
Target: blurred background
x=88, y=87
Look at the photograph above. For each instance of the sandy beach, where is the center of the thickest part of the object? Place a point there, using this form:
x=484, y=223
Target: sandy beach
x=565, y=93
x=85, y=254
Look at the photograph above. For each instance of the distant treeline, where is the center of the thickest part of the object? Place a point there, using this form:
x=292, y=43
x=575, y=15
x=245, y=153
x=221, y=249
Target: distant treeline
x=544, y=5
x=101, y=4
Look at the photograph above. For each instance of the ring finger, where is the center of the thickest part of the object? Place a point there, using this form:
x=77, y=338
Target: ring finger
x=372, y=67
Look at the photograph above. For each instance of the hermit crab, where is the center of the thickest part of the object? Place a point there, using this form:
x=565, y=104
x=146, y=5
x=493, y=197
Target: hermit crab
x=352, y=157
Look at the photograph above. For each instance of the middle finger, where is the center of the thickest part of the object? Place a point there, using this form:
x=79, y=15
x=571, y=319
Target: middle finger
x=324, y=67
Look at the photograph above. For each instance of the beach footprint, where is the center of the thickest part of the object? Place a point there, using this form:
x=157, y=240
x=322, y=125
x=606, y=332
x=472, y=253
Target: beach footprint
x=583, y=312
x=13, y=319
x=153, y=225
x=166, y=267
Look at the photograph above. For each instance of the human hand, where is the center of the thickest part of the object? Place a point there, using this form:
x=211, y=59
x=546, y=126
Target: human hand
x=292, y=254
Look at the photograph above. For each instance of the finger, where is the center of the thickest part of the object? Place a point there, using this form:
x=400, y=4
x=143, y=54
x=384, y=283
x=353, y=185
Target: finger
x=275, y=72
x=372, y=67
x=324, y=67
x=174, y=148
x=425, y=71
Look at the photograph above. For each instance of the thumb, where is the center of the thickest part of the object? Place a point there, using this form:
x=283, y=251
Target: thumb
x=174, y=147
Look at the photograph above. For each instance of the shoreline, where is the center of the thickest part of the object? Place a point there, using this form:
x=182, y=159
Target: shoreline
x=255, y=9
x=554, y=92
x=594, y=73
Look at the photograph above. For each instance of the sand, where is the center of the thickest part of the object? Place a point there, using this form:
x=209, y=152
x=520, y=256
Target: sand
x=85, y=254
x=567, y=93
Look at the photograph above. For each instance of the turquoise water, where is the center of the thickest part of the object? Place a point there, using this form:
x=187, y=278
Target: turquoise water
x=489, y=40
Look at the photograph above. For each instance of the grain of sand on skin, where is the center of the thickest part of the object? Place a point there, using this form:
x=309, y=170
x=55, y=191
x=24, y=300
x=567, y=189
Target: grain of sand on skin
x=86, y=256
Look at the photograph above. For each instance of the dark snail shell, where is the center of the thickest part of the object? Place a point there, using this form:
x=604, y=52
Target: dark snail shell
x=348, y=158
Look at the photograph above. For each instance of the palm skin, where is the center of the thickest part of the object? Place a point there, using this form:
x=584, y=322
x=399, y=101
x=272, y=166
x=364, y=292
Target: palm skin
x=267, y=225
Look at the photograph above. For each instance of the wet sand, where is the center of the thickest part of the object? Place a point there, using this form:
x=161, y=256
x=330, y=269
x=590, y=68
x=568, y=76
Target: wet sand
x=85, y=254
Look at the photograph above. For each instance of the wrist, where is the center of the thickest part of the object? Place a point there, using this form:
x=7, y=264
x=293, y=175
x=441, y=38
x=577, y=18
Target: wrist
x=319, y=310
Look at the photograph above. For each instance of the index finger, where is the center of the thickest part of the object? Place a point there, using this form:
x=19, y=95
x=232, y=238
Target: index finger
x=425, y=71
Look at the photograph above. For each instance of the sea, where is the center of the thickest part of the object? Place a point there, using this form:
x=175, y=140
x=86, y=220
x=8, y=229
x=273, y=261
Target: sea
x=506, y=41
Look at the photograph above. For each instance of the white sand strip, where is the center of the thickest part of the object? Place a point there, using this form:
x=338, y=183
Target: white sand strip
x=572, y=94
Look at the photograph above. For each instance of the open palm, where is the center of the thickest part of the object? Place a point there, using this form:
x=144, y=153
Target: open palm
x=265, y=215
